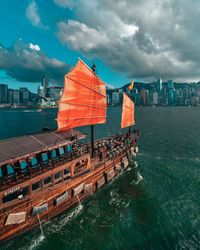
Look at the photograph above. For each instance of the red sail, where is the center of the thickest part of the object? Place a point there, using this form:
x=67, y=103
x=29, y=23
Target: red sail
x=83, y=101
x=127, y=112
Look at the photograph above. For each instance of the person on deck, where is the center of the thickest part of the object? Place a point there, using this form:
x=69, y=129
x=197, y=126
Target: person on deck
x=100, y=156
x=128, y=141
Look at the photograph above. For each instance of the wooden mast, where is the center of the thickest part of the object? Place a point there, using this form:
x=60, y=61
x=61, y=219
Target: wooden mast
x=92, y=126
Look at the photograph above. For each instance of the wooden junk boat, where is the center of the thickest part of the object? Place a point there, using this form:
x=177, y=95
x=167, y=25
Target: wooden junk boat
x=43, y=174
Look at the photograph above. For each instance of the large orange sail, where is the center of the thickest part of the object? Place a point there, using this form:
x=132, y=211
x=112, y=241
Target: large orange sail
x=127, y=112
x=83, y=101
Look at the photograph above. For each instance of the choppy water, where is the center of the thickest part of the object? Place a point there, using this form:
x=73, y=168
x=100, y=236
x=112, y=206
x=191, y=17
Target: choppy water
x=155, y=206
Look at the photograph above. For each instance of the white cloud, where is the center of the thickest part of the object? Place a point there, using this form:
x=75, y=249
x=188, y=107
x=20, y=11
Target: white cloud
x=32, y=14
x=34, y=47
x=147, y=39
x=65, y=3
x=129, y=30
x=109, y=86
x=81, y=37
x=25, y=62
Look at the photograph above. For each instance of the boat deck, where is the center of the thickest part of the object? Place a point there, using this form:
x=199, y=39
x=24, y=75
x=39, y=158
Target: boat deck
x=104, y=148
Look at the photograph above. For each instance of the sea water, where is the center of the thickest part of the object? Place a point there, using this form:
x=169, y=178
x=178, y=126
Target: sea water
x=153, y=206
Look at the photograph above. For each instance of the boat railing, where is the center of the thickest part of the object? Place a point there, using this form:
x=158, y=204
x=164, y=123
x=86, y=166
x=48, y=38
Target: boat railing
x=111, y=150
x=14, y=173
x=30, y=167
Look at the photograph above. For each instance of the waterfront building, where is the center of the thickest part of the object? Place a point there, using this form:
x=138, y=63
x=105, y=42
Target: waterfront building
x=144, y=96
x=136, y=98
x=128, y=91
x=16, y=96
x=164, y=95
x=25, y=95
x=120, y=91
x=150, y=98
x=155, y=97
x=3, y=93
x=170, y=84
x=159, y=84
x=108, y=99
x=187, y=102
x=189, y=92
x=40, y=101
x=171, y=96
x=54, y=93
x=176, y=94
x=10, y=96
x=185, y=92
x=41, y=91
x=180, y=100
x=45, y=82
x=194, y=100
x=135, y=91
x=115, y=98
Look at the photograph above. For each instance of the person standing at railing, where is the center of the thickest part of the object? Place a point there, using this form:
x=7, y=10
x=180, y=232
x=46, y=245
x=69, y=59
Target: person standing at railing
x=100, y=156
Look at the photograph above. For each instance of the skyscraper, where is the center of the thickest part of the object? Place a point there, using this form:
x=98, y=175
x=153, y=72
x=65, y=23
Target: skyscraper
x=25, y=95
x=171, y=96
x=170, y=84
x=155, y=97
x=41, y=91
x=16, y=96
x=3, y=93
x=159, y=84
x=144, y=96
x=55, y=93
x=115, y=98
x=10, y=96
x=45, y=82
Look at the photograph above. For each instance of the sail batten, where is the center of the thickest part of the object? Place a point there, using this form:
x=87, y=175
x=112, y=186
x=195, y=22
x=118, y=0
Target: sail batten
x=83, y=118
x=83, y=101
x=84, y=86
x=127, y=112
x=70, y=103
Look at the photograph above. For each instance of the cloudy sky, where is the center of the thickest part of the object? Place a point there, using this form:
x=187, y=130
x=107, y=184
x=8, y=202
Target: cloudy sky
x=129, y=39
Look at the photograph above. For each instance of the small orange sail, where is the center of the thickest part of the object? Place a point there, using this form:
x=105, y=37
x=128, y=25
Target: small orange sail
x=83, y=101
x=127, y=112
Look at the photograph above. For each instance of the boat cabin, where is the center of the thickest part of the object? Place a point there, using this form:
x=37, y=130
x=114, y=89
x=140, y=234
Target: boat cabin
x=34, y=155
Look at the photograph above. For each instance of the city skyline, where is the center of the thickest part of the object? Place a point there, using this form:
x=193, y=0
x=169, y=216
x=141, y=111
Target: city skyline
x=127, y=39
x=155, y=93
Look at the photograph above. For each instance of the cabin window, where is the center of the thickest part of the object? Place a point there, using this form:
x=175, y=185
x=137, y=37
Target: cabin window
x=0, y=173
x=57, y=175
x=34, y=162
x=10, y=171
x=61, y=151
x=69, y=148
x=67, y=173
x=47, y=180
x=53, y=153
x=15, y=194
x=45, y=157
x=23, y=166
x=36, y=185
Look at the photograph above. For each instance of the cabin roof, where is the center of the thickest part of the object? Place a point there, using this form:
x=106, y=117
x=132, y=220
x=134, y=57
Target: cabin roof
x=15, y=148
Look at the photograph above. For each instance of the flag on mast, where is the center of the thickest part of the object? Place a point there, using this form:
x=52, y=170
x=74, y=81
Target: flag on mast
x=131, y=85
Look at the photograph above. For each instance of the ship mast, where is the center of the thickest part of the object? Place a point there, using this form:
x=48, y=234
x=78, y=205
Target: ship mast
x=92, y=126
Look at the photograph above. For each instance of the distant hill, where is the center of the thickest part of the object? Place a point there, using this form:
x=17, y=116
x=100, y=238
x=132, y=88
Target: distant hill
x=148, y=86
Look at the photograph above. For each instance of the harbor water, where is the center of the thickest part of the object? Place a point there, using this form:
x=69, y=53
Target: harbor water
x=153, y=206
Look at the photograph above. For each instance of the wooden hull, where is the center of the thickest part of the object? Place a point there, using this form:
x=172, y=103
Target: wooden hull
x=75, y=188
